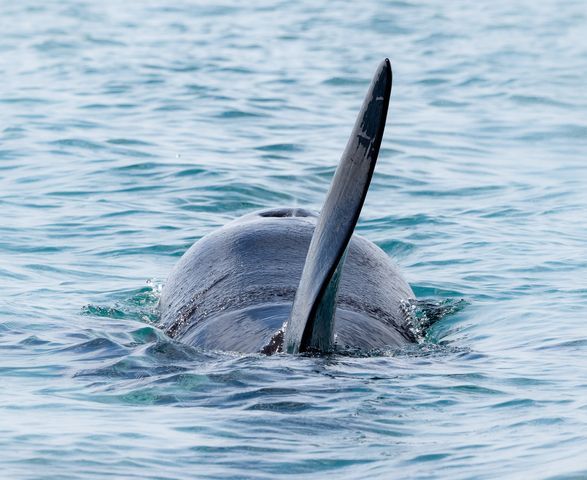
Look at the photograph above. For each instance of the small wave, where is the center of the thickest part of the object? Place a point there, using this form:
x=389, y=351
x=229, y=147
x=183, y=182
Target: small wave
x=141, y=305
x=423, y=313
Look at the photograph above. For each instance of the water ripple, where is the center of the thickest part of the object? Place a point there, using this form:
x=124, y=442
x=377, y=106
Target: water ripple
x=128, y=133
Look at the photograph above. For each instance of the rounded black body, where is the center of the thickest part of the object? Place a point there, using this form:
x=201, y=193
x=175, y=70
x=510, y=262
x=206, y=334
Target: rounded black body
x=233, y=290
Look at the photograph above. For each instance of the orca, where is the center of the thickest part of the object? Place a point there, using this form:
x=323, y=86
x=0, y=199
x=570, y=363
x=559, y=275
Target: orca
x=291, y=280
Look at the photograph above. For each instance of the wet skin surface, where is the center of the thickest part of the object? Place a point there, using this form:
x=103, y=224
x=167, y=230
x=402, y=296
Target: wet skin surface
x=233, y=290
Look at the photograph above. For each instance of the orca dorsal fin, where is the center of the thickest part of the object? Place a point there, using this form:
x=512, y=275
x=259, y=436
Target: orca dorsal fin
x=311, y=323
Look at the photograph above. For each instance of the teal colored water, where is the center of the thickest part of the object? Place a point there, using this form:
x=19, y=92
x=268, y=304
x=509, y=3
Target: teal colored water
x=128, y=131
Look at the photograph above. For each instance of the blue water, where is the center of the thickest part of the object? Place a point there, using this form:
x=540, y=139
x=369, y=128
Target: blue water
x=129, y=130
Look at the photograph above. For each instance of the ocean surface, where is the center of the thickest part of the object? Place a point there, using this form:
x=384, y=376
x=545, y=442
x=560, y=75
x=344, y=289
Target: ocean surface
x=129, y=130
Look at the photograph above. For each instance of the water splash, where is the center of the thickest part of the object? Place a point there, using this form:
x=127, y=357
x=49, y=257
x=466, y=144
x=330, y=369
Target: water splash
x=424, y=313
x=141, y=305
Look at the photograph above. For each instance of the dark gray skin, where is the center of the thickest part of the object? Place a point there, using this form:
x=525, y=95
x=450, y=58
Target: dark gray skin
x=293, y=281
x=233, y=290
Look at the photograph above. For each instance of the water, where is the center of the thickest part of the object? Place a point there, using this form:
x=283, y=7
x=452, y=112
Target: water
x=129, y=131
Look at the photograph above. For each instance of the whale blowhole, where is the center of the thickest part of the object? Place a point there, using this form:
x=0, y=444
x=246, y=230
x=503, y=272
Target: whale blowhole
x=286, y=212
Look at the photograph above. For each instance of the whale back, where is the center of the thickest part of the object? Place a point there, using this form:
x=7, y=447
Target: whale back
x=234, y=289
